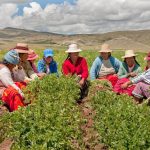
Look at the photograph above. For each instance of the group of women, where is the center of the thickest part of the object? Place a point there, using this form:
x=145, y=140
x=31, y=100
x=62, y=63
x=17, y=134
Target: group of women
x=18, y=69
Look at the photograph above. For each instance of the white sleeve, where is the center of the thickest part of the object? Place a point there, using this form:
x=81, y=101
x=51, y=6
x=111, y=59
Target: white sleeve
x=6, y=79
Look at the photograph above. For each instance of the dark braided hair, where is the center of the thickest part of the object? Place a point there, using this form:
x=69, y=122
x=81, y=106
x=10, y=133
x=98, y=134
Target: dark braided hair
x=134, y=59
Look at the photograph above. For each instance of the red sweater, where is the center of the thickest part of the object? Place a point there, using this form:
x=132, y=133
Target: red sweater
x=80, y=68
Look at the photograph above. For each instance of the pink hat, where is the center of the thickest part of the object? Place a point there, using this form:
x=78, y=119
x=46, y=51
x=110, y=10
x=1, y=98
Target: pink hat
x=147, y=57
x=32, y=55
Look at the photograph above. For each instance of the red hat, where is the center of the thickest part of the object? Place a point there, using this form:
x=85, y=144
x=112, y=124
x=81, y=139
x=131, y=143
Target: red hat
x=22, y=48
x=147, y=57
x=32, y=55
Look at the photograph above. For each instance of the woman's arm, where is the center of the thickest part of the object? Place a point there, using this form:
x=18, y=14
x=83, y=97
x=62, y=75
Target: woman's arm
x=93, y=70
x=85, y=73
x=122, y=73
x=6, y=79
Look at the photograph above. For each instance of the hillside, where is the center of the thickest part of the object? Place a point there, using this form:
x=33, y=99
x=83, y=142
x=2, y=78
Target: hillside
x=137, y=40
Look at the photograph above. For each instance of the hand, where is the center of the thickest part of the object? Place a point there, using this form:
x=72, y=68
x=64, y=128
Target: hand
x=132, y=74
x=124, y=86
x=41, y=75
x=27, y=80
x=81, y=82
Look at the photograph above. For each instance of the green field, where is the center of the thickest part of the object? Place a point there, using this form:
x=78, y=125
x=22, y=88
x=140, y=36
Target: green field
x=60, y=56
x=53, y=120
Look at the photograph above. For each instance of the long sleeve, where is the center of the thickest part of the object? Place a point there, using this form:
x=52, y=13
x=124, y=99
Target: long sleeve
x=6, y=79
x=41, y=66
x=65, y=69
x=94, y=69
x=145, y=76
x=122, y=73
x=85, y=69
x=117, y=65
x=138, y=78
x=29, y=71
x=139, y=70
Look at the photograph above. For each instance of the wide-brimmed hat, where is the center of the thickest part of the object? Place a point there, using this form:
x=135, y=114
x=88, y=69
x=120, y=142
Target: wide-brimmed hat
x=73, y=48
x=22, y=48
x=105, y=48
x=129, y=53
x=12, y=57
x=48, y=52
x=32, y=55
x=147, y=57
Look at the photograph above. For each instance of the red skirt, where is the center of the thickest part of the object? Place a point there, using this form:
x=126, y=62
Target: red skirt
x=112, y=78
x=12, y=98
x=117, y=88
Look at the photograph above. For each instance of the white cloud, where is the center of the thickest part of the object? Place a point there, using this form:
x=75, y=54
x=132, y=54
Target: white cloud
x=85, y=16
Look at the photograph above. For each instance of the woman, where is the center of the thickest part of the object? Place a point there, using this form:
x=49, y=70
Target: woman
x=105, y=66
x=32, y=56
x=128, y=69
x=142, y=86
x=76, y=65
x=47, y=64
x=10, y=92
x=24, y=71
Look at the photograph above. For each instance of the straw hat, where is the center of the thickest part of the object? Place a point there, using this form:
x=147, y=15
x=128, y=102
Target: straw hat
x=32, y=55
x=22, y=48
x=105, y=48
x=73, y=48
x=147, y=57
x=129, y=53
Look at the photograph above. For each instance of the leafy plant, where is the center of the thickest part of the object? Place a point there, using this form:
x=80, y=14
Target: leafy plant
x=121, y=124
x=51, y=121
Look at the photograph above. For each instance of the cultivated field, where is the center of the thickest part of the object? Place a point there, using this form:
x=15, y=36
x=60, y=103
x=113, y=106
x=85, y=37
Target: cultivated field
x=55, y=121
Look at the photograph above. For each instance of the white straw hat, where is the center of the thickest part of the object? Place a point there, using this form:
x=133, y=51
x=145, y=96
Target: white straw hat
x=105, y=48
x=73, y=48
x=129, y=53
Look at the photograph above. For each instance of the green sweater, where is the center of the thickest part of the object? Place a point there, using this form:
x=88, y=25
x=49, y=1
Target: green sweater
x=123, y=70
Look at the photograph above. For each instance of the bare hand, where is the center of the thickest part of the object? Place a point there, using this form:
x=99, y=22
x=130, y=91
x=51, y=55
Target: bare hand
x=41, y=75
x=81, y=82
x=124, y=86
x=132, y=74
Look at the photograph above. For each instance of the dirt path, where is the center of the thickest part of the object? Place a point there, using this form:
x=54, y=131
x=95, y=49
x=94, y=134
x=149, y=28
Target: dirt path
x=6, y=144
x=91, y=136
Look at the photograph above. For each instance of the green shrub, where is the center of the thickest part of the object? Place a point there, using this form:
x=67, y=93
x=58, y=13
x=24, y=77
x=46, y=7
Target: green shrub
x=121, y=124
x=52, y=121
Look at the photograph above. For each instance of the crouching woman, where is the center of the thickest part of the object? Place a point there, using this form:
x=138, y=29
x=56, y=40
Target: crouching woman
x=76, y=65
x=10, y=92
x=142, y=84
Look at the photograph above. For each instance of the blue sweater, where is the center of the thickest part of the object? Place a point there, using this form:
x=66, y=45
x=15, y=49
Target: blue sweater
x=42, y=67
x=96, y=66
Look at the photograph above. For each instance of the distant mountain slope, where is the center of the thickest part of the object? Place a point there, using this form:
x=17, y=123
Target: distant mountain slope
x=138, y=40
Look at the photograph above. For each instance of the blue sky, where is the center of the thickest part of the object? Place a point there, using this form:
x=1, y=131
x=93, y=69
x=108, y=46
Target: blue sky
x=75, y=16
x=43, y=3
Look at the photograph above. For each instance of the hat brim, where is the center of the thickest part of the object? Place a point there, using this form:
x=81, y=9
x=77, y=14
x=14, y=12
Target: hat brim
x=23, y=51
x=105, y=51
x=33, y=58
x=73, y=51
x=51, y=55
x=128, y=56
